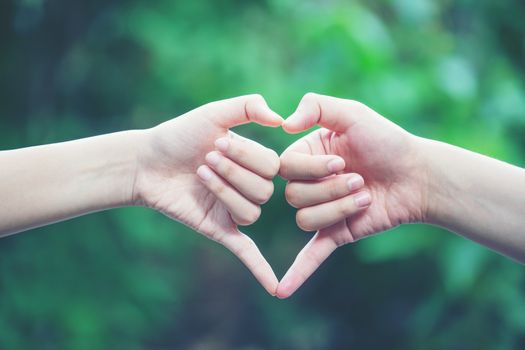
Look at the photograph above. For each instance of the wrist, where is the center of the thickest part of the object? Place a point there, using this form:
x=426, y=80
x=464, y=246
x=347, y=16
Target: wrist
x=436, y=183
x=136, y=148
x=118, y=168
x=152, y=163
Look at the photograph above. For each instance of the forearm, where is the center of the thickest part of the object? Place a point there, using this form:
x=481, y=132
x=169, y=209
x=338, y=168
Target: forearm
x=44, y=184
x=476, y=196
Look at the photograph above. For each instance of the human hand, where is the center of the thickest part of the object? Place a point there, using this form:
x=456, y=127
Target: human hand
x=225, y=192
x=358, y=160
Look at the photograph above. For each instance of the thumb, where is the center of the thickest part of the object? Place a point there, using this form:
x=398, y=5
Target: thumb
x=244, y=109
x=330, y=112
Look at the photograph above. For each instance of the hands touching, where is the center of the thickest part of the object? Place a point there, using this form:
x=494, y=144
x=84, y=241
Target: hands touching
x=224, y=192
x=354, y=177
x=358, y=175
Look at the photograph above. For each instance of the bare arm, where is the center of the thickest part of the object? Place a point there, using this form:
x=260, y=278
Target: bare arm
x=476, y=196
x=44, y=184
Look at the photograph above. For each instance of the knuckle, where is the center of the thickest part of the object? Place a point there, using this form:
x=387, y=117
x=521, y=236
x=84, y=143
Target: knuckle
x=356, y=106
x=250, y=216
x=227, y=170
x=243, y=248
x=257, y=97
x=344, y=209
x=256, y=214
x=265, y=193
x=310, y=96
x=237, y=152
x=218, y=188
x=315, y=172
x=275, y=163
x=217, y=236
x=290, y=194
x=211, y=105
x=333, y=188
x=301, y=219
x=269, y=190
x=342, y=239
x=313, y=256
x=283, y=166
x=213, y=108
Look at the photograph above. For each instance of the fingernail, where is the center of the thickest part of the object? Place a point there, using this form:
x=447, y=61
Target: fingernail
x=204, y=173
x=335, y=165
x=362, y=199
x=355, y=182
x=222, y=144
x=213, y=158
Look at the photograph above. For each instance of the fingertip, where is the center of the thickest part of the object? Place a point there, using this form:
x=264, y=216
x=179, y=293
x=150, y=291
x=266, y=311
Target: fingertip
x=273, y=119
x=295, y=123
x=282, y=293
x=274, y=285
x=286, y=287
x=276, y=120
x=267, y=279
x=264, y=115
x=204, y=172
x=270, y=118
x=290, y=126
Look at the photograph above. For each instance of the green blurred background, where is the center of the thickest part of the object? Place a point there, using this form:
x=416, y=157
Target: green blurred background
x=132, y=279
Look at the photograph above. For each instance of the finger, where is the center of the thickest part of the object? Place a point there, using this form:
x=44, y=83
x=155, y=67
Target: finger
x=242, y=211
x=251, y=155
x=301, y=166
x=307, y=261
x=250, y=185
x=302, y=194
x=244, y=109
x=326, y=214
x=246, y=250
x=330, y=112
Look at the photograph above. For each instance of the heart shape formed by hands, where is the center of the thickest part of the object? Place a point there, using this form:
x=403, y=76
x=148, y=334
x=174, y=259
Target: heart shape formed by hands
x=353, y=177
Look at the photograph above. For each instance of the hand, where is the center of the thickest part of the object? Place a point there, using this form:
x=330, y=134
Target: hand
x=213, y=198
x=357, y=175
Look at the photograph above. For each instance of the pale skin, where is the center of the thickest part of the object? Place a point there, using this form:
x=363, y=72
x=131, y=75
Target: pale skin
x=191, y=168
x=358, y=175
x=387, y=177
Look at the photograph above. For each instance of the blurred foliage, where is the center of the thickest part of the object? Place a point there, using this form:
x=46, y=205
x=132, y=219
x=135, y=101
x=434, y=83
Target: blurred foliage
x=132, y=279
